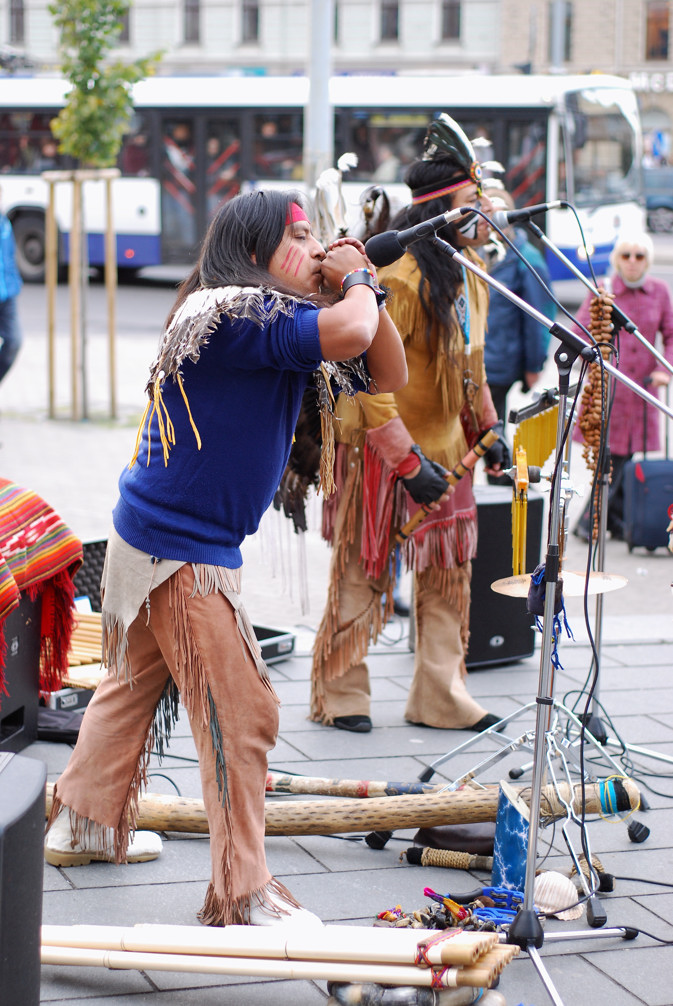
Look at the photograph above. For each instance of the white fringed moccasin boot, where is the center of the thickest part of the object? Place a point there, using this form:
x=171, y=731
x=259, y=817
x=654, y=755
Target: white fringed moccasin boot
x=60, y=850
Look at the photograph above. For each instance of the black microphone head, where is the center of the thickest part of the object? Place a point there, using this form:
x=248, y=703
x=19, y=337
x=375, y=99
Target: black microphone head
x=384, y=249
x=500, y=220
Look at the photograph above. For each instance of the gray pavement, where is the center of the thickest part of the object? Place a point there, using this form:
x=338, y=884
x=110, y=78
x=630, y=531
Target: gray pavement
x=75, y=465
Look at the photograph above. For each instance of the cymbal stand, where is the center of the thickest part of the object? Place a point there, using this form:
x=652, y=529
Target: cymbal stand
x=594, y=723
x=526, y=930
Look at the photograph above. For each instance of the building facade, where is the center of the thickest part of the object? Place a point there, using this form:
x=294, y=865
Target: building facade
x=626, y=37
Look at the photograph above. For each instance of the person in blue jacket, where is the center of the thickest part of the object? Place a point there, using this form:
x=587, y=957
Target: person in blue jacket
x=516, y=345
x=265, y=312
x=10, y=285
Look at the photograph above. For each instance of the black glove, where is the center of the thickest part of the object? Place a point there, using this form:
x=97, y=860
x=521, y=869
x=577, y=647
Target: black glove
x=499, y=452
x=429, y=484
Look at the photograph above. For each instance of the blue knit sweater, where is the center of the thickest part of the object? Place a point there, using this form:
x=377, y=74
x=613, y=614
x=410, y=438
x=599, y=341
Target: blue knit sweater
x=244, y=393
x=10, y=279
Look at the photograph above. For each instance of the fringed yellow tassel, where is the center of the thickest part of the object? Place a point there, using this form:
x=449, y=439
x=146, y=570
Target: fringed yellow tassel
x=189, y=413
x=163, y=436
x=166, y=429
x=327, y=453
x=139, y=435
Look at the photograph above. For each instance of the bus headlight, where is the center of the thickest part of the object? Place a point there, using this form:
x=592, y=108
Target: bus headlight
x=584, y=253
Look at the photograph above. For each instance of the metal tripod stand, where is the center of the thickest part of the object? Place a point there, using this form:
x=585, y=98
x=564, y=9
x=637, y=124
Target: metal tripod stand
x=526, y=929
x=594, y=722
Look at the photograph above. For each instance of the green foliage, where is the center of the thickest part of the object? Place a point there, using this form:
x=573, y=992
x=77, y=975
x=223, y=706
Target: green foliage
x=91, y=125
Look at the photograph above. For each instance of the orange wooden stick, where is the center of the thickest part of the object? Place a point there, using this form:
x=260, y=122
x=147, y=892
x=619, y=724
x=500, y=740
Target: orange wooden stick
x=462, y=468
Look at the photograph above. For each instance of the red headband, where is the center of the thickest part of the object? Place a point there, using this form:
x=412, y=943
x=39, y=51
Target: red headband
x=294, y=214
x=438, y=193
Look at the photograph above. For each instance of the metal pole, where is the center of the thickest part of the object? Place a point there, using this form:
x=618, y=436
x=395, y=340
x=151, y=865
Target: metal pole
x=319, y=114
x=111, y=289
x=75, y=268
x=51, y=279
x=557, y=14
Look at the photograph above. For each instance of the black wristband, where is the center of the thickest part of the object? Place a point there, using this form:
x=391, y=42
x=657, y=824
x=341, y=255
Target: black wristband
x=364, y=276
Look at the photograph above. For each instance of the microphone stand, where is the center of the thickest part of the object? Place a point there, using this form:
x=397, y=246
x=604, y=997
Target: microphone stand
x=620, y=320
x=526, y=930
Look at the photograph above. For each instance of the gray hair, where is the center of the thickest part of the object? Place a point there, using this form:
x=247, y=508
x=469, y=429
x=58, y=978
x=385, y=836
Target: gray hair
x=638, y=239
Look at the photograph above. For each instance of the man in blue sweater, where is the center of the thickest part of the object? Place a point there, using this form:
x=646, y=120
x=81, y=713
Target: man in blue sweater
x=10, y=284
x=249, y=330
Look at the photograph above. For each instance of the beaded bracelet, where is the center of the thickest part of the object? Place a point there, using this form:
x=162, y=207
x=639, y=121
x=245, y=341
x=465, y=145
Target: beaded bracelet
x=365, y=276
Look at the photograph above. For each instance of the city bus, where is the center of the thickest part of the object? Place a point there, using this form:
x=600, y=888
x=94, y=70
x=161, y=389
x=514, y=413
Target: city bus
x=195, y=141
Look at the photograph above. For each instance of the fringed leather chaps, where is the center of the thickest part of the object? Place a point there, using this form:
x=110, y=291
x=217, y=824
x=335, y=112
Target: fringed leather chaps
x=192, y=644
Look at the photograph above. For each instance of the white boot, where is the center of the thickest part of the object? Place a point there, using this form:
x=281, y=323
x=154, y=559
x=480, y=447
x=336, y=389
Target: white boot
x=59, y=849
x=264, y=915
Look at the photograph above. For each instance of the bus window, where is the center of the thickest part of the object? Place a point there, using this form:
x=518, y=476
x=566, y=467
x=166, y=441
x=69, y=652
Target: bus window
x=525, y=163
x=602, y=150
x=134, y=158
x=223, y=163
x=278, y=146
x=26, y=144
x=385, y=144
x=178, y=189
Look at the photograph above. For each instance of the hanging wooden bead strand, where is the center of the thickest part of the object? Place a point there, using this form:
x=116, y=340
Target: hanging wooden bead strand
x=594, y=393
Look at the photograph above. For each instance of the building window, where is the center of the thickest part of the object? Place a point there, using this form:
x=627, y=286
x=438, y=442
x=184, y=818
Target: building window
x=125, y=33
x=16, y=23
x=656, y=30
x=250, y=22
x=192, y=13
x=390, y=21
x=562, y=46
x=450, y=20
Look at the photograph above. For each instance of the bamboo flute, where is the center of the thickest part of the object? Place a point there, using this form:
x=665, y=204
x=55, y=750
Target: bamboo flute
x=389, y=974
x=282, y=782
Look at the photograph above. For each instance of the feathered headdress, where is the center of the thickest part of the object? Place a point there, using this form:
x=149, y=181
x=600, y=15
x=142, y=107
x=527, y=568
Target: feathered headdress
x=445, y=137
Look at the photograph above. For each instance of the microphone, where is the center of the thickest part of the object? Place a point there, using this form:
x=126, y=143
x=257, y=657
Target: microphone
x=385, y=248
x=503, y=218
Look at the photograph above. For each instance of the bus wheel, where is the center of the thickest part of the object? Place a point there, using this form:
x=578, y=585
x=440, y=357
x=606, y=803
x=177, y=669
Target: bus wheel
x=30, y=246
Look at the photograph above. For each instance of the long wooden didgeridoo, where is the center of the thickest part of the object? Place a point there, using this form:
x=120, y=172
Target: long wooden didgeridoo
x=394, y=813
x=462, y=468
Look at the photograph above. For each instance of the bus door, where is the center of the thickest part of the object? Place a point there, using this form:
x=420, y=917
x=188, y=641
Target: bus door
x=179, y=224
x=222, y=162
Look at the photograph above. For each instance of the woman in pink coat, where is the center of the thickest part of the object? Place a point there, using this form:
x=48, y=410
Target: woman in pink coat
x=634, y=426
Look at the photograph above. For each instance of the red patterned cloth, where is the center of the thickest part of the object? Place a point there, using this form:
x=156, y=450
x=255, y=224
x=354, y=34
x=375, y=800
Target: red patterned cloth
x=39, y=555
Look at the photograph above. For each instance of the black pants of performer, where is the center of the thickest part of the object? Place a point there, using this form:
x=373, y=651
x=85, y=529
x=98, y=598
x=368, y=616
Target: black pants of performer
x=615, y=523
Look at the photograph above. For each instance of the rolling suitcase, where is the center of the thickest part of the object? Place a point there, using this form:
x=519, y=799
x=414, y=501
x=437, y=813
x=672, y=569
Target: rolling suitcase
x=648, y=493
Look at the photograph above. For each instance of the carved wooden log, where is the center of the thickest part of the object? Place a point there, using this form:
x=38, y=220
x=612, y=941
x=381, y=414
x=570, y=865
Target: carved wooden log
x=329, y=817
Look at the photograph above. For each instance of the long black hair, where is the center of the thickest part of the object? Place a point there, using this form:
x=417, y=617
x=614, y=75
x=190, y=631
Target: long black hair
x=441, y=277
x=247, y=225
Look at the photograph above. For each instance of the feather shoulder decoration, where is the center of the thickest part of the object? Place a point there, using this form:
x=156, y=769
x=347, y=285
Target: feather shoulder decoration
x=191, y=327
x=198, y=316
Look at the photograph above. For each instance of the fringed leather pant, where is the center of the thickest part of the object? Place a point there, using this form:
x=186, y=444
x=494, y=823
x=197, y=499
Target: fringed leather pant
x=191, y=645
x=353, y=618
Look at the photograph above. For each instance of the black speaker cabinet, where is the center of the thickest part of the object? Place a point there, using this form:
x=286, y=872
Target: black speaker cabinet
x=22, y=801
x=500, y=627
x=18, y=708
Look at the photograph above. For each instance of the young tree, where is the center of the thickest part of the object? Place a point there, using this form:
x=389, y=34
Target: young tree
x=90, y=128
x=91, y=125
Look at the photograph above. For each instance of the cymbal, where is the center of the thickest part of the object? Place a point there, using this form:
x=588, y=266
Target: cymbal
x=573, y=584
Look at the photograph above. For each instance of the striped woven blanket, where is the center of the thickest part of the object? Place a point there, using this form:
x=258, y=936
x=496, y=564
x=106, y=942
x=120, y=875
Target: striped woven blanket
x=39, y=555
